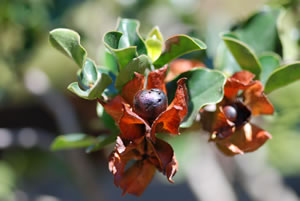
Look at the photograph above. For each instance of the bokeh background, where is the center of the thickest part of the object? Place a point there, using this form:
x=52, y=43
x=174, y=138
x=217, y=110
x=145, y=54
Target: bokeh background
x=35, y=105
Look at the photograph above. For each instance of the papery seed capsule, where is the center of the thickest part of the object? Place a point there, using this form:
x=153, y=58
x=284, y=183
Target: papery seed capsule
x=230, y=112
x=148, y=104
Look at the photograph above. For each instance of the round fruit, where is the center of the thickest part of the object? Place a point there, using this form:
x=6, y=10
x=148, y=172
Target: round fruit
x=148, y=104
x=230, y=112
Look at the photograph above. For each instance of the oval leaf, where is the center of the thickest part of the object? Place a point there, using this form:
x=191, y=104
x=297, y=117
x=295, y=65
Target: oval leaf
x=224, y=61
x=204, y=86
x=269, y=63
x=68, y=42
x=177, y=46
x=102, y=142
x=242, y=53
x=92, y=82
x=155, y=34
x=154, y=43
x=138, y=65
x=123, y=55
x=154, y=48
x=260, y=31
x=88, y=75
x=283, y=76
x=70, y=141
x=131, y=35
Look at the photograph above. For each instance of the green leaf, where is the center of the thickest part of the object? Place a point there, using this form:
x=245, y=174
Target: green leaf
x=269, y=62
x=88, y=74
x=131, y=35
x=204, y=87
x=102, y=142
x=70, y=141
x=155, y=34
x=110, y=62
x=68, y=42
x=122, y=55
x=224, y=61
x=80, y=140
x=154, y=43
x=260, y=31
x=283, y=76
x=154, y=48
x=138, y=65
x=177, y=46
x=92, y=82
x=242, y=53
x=125, y=43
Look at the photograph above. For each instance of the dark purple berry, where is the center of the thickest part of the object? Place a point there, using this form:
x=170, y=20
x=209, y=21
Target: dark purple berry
x=230, y=112
x=148, y=104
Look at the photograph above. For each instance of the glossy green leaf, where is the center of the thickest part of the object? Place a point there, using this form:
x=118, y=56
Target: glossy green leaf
x=177, y=46
x=154, y=43
x=138, y=65
x=88, y=74
x=260, y=31
x=242, y=53
x=204, y=87
x=131, y=35
x=283, y=76
x=155, y=34
x=224, y=61
x=102, y=142
x=80, y=140
x=110, y=62
x=154, y=48
x=125, y=43
x=122, y=55
x=269, y=62
x=74, y=140
x=92, y=82
x=68, y=42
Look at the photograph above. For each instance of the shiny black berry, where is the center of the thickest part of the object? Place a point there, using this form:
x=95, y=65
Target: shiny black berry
x=230, y=112
x=238, y=113
x=148, y=104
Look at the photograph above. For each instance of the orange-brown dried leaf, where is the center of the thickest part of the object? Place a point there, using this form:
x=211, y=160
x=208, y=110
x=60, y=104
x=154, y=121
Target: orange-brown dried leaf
x=256, y=99
x=114, y=107
x=238, y=81
x=232, y=88
x=169, y=120
x=121, y=155
x=171, y=169
x=180, y=66
x=244, y=77
x=165, y=154
x=132, y=87
x=229, y=149
x=247, y=139
x=136, y=178
x=181, y=98
x=131, y=125
x=156, y=79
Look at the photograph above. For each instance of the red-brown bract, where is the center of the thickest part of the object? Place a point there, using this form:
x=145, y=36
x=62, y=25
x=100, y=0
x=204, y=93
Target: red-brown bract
x=137, y=141
x=230, y=125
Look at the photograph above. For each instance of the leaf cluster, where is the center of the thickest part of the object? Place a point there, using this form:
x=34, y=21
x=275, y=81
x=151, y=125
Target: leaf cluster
x=253, y=46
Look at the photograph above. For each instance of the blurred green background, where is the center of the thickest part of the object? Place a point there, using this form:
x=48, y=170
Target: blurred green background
x=35, y=105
